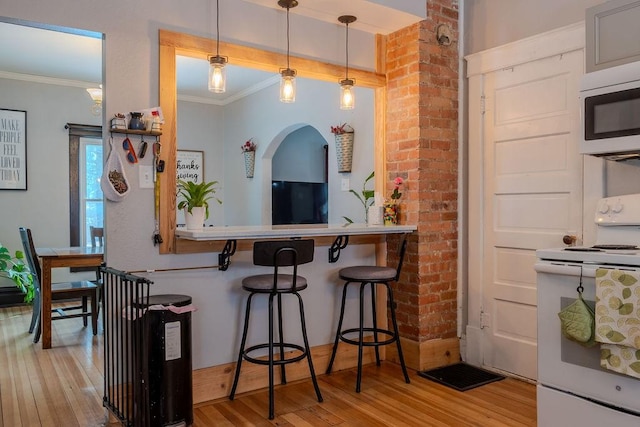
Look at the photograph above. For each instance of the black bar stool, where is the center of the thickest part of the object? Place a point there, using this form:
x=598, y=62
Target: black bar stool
x=370, y=275
x=277, y=254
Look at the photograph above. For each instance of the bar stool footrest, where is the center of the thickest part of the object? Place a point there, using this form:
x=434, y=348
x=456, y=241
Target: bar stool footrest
x=276, y=346
x=393, y=338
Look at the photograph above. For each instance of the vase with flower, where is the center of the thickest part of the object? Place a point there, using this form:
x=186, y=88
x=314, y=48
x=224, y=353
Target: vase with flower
x=249, y=151
x=391, y=207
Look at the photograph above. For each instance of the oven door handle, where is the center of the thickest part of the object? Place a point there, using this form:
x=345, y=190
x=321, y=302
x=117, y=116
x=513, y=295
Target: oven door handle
x=565, y=269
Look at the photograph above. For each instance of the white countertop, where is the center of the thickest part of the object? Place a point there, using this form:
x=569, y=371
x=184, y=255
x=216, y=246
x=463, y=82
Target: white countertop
x=268, y=231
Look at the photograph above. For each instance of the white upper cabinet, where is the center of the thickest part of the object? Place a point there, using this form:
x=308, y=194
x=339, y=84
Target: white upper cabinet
x=613, y=34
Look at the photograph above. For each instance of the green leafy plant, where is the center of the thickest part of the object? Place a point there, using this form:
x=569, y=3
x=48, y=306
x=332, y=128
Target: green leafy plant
x=366, y=197
x=14, y=268
x=197, y=195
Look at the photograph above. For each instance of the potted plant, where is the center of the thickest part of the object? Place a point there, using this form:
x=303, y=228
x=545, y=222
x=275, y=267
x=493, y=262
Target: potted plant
x=14, y=268
x=366, y=199
x=195, y=201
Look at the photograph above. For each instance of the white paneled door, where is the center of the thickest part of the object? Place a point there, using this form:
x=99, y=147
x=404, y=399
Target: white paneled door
x=532, y=196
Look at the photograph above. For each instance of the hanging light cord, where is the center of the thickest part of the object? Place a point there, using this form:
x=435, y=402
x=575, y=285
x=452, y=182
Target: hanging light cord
x=347, y=53
x=288, y=38
x=217, y=27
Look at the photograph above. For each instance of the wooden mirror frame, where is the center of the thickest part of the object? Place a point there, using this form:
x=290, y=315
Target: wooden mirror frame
x=173, y=44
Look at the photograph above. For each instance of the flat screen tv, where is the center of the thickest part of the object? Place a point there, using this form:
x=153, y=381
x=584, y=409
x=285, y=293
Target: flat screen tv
x=299, y=202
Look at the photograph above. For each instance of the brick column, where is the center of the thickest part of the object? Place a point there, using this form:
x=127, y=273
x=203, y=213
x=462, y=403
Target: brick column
x=422, y=147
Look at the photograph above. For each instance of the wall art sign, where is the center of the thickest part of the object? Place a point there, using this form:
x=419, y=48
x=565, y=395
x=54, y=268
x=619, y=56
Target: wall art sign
x=190, y=166
x=13, y=149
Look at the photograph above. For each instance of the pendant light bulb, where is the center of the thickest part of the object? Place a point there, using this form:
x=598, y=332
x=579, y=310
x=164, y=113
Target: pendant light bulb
x=288, y=86
x=347, y=95
x=217, y=74
x=288, y=79
x=217, y=82
x=347, y=98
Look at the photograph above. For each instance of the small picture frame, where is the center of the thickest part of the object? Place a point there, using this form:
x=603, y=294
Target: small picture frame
x=190, y=166
x=13, y=149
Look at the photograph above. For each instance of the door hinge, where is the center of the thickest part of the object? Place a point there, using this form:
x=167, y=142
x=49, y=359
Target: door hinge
x=485, y=320
x=483, y=104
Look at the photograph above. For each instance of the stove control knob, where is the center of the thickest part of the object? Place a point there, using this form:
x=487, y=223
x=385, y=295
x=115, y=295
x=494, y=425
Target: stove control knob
x=603, y=207
x=568, y=239
x=617, y=208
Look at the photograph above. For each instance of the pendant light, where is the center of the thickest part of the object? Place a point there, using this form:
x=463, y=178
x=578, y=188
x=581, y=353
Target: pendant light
x=217, y=71
x=288, y=80
x=347, y=97
x=96, y=95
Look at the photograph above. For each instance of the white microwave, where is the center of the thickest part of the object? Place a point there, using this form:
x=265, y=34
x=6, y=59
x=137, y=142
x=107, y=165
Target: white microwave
x=610, y=112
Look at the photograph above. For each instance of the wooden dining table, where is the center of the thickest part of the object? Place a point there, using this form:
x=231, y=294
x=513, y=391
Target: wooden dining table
x=50, y=258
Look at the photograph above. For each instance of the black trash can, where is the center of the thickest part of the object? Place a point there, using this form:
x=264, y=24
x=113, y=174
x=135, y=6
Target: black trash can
x=166, y=362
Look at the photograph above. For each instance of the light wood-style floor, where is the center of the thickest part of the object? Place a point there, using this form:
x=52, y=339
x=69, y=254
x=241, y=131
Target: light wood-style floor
x=63, y=386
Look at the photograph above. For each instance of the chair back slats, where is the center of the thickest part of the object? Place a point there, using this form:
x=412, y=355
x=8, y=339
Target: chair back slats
x=283, y=253
x=30, y=255
x=97, y=236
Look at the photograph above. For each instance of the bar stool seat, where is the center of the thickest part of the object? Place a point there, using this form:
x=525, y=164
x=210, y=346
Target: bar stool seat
x=367, y=272
x=369, y=276
x=263, y=283
x=282, y=255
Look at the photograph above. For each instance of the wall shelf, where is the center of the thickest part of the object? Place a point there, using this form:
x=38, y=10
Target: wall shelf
x=135, y=132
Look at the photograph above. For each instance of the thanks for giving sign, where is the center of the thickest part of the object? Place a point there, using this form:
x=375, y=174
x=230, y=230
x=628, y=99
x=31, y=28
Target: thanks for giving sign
x=13, y=150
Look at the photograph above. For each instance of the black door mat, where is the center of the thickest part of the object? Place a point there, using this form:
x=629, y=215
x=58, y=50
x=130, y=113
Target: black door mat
x=461, y=376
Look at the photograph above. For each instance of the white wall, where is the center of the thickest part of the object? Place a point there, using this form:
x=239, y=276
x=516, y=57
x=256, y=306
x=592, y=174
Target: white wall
x=44, y=207
x=269, y=122
x=130, y=84
x=491, y=23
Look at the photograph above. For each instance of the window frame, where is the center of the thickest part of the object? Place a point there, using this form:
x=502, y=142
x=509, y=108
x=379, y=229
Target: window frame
x=77, y=131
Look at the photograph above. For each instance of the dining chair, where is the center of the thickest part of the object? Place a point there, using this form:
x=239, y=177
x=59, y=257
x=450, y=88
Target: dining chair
x=82, y=289
x=97, y=236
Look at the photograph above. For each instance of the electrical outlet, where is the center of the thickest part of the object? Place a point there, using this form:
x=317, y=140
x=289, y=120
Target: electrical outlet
x=145, y=175
x=344, y=185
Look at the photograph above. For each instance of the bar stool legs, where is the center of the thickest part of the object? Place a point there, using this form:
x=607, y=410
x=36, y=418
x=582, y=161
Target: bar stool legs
x=271, y=345
x=392, y=336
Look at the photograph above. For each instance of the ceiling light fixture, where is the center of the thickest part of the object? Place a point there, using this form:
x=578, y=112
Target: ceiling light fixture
x=217, y=71
x=96, y=95
x=288, y=80
x=347, y=97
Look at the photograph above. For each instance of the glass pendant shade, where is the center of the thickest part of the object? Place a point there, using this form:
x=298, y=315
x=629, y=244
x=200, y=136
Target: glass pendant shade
x=96, y=96
x=347, y=97
x=288, y=86
x=217, y=74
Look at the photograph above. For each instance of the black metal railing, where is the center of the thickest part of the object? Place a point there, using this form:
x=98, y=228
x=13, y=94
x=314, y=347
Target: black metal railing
x=125, y=393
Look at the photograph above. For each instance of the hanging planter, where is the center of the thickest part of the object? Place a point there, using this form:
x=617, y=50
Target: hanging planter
x=344, y=135
x=249, y=163
x=249, y=151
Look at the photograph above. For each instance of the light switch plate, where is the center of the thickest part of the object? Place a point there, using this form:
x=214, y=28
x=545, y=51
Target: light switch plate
x=344, y=185
x=145, y=174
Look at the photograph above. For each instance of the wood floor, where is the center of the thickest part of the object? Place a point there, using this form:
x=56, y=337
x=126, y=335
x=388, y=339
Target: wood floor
x=63, y=386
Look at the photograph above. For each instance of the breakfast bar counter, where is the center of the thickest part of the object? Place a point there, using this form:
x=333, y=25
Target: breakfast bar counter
x=289, y=231
x=341, y=233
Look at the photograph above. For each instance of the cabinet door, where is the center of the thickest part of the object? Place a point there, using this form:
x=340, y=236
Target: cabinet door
x=612, y=34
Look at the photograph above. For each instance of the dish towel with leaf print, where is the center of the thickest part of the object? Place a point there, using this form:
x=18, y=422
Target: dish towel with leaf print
x=618, y=320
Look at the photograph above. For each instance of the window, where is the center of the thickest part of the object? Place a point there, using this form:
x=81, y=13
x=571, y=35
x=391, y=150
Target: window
x=90, y=165
x=85, y=169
